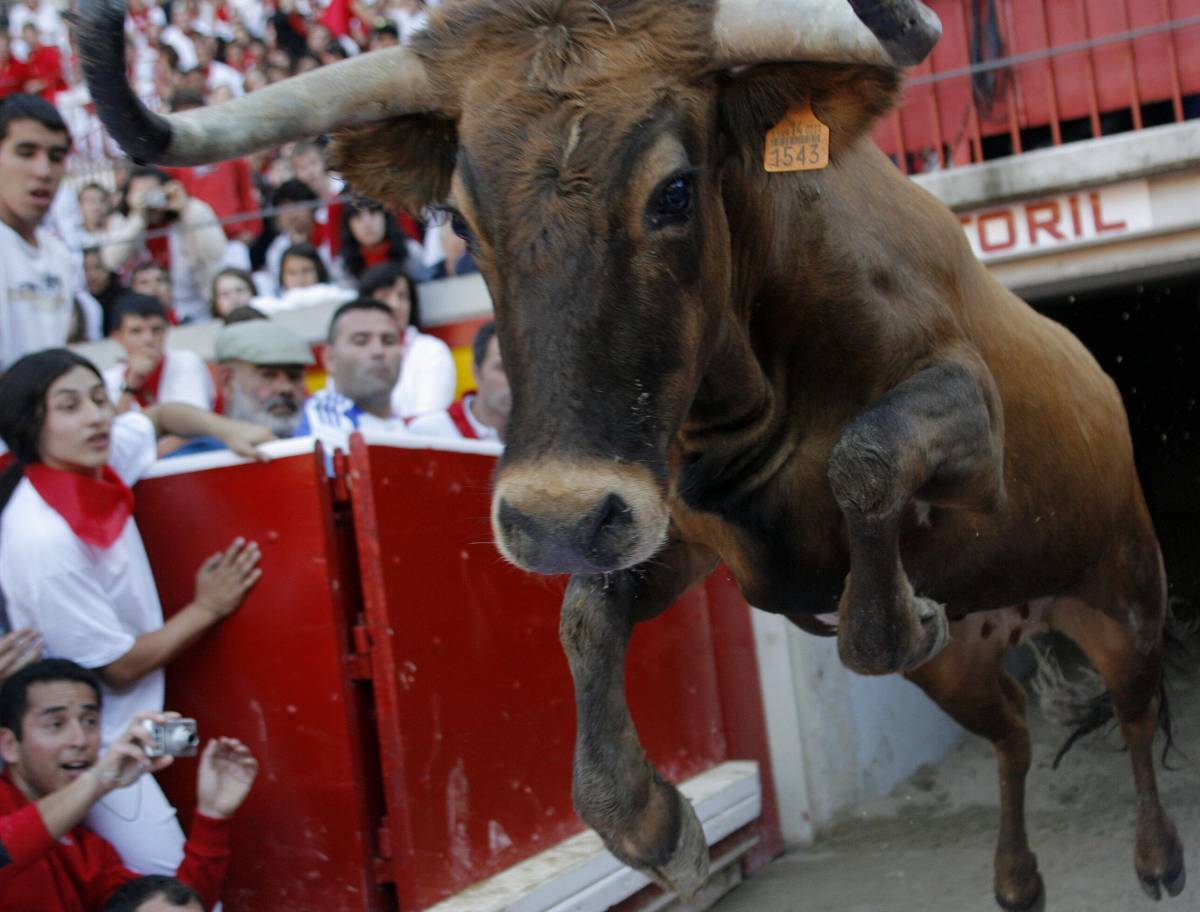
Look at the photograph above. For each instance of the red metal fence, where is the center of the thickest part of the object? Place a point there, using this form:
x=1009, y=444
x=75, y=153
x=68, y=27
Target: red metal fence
x=1010, y=75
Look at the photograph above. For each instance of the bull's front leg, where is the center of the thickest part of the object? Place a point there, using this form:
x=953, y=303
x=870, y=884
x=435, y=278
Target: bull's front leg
x=937, y=436
x=643, y=820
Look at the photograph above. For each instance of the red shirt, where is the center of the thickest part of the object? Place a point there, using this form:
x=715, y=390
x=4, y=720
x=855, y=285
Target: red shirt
x=12, y=76
x=227, y=188
x=82, y=870
x=45, y=65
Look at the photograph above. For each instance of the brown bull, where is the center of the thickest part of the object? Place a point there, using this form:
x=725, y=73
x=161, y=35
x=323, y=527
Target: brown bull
x=806, y=375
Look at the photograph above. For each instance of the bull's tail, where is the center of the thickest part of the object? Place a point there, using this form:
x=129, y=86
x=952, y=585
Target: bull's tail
x=1079, y=701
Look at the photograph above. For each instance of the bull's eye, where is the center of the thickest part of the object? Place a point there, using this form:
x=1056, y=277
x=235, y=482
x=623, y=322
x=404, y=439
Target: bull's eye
x=459, y=226
x=673, y=204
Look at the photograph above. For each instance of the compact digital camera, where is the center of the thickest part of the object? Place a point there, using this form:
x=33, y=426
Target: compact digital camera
x=173, y=738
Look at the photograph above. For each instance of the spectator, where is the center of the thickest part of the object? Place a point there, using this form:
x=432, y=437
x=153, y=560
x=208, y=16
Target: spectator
x=39, y=277
x=301, y=266
x=13, y=72
x=362, y=357
x=43, y=65
x=409, y=16
x=261, y=372
x=103, y=286
x=43, y=15
x=150, y=279
x=428, y=378
x=481, y=414
x=149, y=373
x=73, y=567
x=244, y=315
x=231, y=289
x=93, y=212
x=308, y=163
x=157, y=217
x=370, y=236
x=55, y=774
x=155, y=893
x=297, y=224
x=384, y=36
x=228, y=189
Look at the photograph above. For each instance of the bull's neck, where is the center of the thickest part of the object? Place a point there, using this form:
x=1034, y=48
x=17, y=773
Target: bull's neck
x=732, y=442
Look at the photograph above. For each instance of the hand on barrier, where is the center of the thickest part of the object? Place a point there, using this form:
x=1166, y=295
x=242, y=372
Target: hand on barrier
x=18, y=649
x=224, y=579
x=227, y=770
x=244, y=438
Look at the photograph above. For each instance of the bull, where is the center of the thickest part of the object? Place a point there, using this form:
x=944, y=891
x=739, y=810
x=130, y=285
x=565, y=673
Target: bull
x=804, y=374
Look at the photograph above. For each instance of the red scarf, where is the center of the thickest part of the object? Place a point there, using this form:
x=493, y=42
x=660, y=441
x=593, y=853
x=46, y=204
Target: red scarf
x=96, y=509
x=374, y=254
x=147, y=393
x=458, y=414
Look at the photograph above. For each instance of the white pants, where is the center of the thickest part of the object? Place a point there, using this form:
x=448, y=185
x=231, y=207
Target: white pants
x=141, y=824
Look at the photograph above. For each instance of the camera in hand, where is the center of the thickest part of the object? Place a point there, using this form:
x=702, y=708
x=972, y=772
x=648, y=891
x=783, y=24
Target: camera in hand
x=173, y=738
x=155, y=199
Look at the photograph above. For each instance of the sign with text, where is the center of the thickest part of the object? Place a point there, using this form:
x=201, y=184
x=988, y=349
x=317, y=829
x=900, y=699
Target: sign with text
x=1037, y=226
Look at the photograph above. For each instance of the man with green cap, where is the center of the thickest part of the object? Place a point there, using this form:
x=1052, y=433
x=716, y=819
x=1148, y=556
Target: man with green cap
x=260, y=372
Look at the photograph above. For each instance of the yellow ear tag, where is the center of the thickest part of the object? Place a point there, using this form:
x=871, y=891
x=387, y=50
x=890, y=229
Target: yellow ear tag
x=799, y=142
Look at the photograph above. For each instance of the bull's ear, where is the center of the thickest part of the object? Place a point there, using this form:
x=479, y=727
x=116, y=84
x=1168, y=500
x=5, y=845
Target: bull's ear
x=406, y=162
x=846, y=98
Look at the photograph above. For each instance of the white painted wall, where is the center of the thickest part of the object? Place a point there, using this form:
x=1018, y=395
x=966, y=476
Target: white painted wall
x=837, y=738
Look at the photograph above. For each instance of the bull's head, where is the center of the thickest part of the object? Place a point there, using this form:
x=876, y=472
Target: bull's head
x=580, y=144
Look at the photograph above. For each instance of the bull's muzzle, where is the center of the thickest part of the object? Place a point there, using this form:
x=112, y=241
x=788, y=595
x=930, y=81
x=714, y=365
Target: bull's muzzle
x=573, y=517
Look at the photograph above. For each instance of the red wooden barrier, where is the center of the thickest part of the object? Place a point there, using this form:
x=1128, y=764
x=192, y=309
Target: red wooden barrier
x=404, y=687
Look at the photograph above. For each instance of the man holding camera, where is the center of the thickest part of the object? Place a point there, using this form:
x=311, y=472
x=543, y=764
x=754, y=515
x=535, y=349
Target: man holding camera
x=54, y=774
x=157, y=219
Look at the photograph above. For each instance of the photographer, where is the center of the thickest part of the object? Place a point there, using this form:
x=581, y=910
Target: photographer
x=54, y=774
x=184, y=236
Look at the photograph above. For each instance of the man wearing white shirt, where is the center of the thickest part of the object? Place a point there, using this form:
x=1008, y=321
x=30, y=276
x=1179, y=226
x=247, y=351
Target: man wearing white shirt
x=149, y=373
x=39, y=276
x=362, y=358
x=483, y=413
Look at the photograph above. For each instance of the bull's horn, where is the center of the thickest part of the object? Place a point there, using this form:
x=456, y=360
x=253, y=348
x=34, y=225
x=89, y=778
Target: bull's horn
x=364, y=88
x=889, y=32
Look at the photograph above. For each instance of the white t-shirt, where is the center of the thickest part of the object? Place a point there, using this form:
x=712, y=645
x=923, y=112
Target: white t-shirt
x=440, y=424
x=185, y=378
x=428, y=377
x=89, y=603
x=36, y=288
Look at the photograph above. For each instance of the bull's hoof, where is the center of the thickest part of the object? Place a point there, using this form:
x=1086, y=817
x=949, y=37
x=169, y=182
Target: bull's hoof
x=686, y=871
x=1036, y=903
x=1173, y=882
x=935, y=632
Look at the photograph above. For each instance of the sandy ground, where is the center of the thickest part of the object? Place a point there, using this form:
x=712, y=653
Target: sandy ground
x=929, y=846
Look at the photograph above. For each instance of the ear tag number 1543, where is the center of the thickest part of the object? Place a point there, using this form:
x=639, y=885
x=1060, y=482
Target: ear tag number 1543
x=799, y=142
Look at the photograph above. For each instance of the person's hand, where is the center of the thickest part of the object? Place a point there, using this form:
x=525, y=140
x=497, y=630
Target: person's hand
x=244, y=438
x=224, y=579
x=227, y=770
x=18, y=649
x=140, y=365
x=176, y=194
x=125, y=760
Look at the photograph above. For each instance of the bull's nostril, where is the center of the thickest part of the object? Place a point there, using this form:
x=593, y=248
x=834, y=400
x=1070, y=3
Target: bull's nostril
x=611, y=514
x=516, y=520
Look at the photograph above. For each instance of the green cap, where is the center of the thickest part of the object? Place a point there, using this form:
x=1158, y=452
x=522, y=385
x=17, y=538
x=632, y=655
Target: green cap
x=261, y=342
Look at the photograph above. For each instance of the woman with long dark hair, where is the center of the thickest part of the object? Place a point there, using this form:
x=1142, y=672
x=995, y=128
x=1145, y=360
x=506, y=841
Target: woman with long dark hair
x=73, y=566
x=370, y=235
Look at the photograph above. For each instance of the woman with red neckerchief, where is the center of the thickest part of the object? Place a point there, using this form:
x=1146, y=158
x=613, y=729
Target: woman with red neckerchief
x=73, y=566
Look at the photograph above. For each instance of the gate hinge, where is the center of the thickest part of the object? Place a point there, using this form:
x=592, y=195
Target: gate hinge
x=360, y=657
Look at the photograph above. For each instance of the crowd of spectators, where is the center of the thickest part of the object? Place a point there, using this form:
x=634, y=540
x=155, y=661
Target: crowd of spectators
x=91, y=247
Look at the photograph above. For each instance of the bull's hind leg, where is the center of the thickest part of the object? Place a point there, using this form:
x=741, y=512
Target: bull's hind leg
x=643, y=819
x=937, y=437
x=968, y=681
x=1117, y=619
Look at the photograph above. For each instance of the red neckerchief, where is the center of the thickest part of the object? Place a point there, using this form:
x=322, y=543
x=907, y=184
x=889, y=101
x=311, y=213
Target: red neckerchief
x=160, y=250
x=96, y=509
x=458, y=414
x=374, y=254
x=147, y=394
